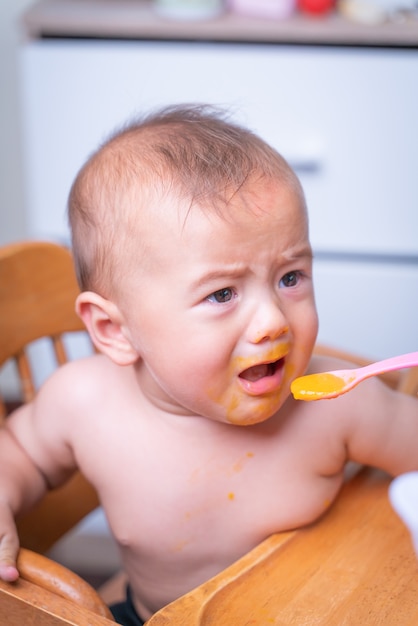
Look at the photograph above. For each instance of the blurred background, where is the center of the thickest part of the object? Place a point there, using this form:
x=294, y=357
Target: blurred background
x=333, y=87
x=12, y=211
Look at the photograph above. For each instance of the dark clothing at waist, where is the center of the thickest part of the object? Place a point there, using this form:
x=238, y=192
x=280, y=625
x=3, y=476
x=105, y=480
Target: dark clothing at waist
x=125, y=613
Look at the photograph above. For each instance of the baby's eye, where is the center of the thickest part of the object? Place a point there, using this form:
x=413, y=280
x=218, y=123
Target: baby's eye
x=222, y=295
x=290, y=279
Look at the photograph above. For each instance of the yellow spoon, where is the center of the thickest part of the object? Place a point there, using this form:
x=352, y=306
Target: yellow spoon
x=332, y=384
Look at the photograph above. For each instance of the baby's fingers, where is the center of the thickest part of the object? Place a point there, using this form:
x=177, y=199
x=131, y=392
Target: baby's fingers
x=9, y=547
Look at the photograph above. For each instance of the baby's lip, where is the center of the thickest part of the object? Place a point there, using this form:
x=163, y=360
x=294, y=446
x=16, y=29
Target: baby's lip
x=261, y=370
x=271, y=360
x=263, y=378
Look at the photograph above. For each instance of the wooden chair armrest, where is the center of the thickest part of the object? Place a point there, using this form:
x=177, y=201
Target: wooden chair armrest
x=49, y=575
x=191, y=606
x=25, y=603
x=353, y=566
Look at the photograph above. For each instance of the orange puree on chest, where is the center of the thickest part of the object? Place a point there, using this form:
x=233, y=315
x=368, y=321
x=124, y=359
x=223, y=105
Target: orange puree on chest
x=316, y=385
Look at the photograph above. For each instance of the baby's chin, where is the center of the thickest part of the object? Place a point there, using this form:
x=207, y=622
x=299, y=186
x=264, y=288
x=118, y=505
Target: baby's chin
x=248, y=422
x=258, y=415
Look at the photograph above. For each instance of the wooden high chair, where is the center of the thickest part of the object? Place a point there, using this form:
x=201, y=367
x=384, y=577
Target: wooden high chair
x=38, y=289
x=357, y=561
x=37, y=294
x=49, y=594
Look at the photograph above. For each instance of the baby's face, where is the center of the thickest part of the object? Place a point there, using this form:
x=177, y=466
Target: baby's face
x=223, y=313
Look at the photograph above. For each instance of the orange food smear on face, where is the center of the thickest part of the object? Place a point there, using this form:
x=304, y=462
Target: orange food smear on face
x=178, y=547
x=263, y=407
x=316, y=385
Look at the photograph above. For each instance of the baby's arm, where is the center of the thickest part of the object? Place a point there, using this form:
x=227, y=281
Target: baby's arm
x=34, y=456
x=21, y=485
x=382, y=427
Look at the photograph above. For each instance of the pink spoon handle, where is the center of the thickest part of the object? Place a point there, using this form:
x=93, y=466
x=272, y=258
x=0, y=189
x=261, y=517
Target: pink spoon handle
x=388, y=365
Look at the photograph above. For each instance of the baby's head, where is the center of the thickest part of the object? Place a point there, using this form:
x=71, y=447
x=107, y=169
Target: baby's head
x=191, y=244
x=190, y=153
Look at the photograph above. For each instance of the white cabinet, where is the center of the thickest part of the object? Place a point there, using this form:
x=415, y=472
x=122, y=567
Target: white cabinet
x=345, y=117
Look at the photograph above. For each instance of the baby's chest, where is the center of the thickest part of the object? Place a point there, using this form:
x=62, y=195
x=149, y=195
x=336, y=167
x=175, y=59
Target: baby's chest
x=174, y=505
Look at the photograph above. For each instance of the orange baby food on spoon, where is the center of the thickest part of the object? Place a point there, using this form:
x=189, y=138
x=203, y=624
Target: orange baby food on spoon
x=333, y=384
x=316, y=386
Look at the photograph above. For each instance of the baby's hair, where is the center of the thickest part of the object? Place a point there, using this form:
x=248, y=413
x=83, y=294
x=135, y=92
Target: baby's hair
x=191, y=152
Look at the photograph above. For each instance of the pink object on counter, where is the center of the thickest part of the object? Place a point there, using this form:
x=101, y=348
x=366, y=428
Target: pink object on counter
x=273, y=9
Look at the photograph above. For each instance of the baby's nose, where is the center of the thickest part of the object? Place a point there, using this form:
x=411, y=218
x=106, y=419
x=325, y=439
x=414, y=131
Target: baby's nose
x=268, y=324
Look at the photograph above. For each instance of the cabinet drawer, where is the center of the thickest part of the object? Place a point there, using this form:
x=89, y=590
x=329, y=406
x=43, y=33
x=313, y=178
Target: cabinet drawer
x=367, y=308
x=344, y=117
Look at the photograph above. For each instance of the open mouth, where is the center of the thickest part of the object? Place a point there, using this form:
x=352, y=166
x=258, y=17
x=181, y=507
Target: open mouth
x=262, y=370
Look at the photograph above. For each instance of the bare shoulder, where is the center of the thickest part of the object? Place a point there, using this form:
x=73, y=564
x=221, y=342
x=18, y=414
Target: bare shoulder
x=327, y=363
x=52, y=426
x=82, y=378
x=78, y=390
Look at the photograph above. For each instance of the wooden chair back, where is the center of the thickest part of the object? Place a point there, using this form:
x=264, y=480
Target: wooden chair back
x=38, y=289
x=37, y=293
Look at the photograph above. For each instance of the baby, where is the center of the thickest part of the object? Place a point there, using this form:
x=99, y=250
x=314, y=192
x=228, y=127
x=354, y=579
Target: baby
x=190, y=239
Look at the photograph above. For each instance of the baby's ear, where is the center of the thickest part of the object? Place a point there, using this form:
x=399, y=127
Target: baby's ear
x=105, y=325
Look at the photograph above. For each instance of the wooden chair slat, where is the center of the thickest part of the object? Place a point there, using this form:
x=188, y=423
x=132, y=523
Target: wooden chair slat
x=37, y=294
x=25, y=374
x=59, y=349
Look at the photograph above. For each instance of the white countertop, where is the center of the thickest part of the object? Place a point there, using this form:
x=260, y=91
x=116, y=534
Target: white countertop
x=136, y=19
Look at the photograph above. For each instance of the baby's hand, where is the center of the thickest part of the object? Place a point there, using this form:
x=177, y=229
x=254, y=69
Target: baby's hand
x=9, y=546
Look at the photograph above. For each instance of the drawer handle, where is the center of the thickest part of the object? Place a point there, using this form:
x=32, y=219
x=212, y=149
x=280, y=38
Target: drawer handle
x=305, y=166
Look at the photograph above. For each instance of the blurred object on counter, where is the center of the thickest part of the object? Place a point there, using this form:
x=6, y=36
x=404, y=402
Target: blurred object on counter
x=403, y=496
x=377, y=11
x=316, y=7
x=189, y=9
x=273, y=9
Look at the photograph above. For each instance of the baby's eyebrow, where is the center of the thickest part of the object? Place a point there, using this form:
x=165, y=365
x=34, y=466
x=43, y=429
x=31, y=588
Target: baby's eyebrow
x=304, y=252
x=225, y=273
